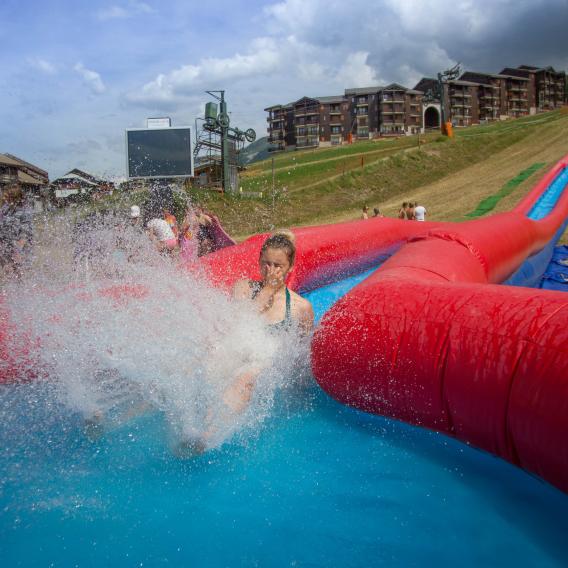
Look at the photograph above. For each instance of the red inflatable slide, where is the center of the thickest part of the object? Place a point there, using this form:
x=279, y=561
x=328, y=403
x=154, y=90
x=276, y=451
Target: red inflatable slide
x=431, y=339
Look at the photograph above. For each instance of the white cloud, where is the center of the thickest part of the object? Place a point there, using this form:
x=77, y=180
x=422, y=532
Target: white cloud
x=355, y=72
x=91, y=78
x=263, y=58
x=130, y=10
x=43, y=65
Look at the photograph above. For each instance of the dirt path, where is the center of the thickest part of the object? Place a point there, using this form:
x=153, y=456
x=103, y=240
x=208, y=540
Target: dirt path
x=450, y=198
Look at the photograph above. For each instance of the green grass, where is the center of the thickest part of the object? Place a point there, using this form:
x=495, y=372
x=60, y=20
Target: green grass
x=326, y=183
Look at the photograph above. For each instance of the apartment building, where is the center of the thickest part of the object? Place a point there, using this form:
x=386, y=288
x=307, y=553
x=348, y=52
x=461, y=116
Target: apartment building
x=477, y=97
x=281, y=133
x=491, y=94
x=546, y=86
x=335, y=120
x=394, y=110
x=364, y=105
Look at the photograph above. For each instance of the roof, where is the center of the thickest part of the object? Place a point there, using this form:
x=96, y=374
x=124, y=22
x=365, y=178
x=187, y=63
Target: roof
x=305, y=99
x=394, y=87
x=332, y=99
x=512, y=73
x=363, y=90
x=84, y=175
x=463, y=83
x=482, y=74
x=425, y=81
x=277, y=107
x=27, y=179
x=28, y=165
x=4, y=159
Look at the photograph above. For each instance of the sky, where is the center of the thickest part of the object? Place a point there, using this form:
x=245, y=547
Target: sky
x=74, y=75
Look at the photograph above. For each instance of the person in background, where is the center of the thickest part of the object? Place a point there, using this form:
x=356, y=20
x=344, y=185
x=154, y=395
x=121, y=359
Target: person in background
x=419, y=212
x=402, y=211
x=188, y=242
x=377, y=212
x=410, y=211
x=162, y=235
x=365, y=213
x=134, y=215
x=172, y=222
x=16, y=231
x=205, y=239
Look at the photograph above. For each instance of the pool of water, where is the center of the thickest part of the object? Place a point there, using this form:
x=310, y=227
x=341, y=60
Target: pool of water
x=317, y=484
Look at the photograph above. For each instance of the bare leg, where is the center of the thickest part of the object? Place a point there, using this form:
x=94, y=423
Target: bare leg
x=235, y=400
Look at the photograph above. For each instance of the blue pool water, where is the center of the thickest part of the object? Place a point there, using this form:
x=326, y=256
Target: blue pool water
x=319, y=485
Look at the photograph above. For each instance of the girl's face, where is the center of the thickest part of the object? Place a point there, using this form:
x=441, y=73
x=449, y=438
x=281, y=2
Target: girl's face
x=274, y=264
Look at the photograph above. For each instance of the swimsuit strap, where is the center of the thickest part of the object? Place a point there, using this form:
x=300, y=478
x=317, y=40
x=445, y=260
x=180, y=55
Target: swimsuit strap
x=255, y=287
x=288, y=315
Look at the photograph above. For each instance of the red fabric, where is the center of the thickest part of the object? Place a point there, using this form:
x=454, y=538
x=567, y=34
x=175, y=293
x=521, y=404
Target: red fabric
x=429, y=339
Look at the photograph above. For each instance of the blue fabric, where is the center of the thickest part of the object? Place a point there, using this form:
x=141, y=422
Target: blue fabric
x=532, y=271
x=556, y=275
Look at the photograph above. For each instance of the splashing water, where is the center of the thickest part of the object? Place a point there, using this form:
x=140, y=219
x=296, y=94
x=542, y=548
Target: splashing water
x=122, y=330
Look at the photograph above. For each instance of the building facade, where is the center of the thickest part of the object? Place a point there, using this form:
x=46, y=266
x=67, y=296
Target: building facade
x=394, y=110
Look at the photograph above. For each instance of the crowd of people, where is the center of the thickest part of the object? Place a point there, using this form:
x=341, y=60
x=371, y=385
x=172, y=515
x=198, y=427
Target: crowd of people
x=410, y=211
x=16, y=231
x=199, y=232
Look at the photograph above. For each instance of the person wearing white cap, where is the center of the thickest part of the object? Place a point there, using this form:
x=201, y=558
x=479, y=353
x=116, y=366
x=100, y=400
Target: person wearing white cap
x=135, y=215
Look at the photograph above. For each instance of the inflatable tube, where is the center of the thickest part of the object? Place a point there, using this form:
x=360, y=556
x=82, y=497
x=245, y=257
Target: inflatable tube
x=325, y=254
x=431, y=339
x=221, y=239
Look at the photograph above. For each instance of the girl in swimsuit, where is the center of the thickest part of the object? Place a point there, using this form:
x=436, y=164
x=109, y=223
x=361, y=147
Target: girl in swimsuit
x=280, y=306
x=282, y=309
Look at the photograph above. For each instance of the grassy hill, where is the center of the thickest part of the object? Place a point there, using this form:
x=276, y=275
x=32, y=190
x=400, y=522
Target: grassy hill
x=449, y=176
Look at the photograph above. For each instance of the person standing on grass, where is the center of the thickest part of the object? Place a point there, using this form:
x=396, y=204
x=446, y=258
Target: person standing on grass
x=365, y=214
x=410, y=211
x=402, y=211
x=419, y=212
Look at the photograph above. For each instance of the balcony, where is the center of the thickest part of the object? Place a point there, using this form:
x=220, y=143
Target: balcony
x=392, y=100
x=460, y=94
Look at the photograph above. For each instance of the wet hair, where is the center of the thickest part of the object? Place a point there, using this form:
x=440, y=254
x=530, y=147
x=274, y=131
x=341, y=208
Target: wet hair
x=404, y=204
x=365, y=208
x=283, y=240
x=376, y=211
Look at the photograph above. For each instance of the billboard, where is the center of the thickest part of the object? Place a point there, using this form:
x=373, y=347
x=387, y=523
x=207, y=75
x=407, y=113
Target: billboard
x=159, y=152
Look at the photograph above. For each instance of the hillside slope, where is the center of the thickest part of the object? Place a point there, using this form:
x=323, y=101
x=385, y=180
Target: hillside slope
x=449, y=176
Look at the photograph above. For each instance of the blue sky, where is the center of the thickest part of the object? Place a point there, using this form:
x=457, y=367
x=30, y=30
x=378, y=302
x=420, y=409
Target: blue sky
x=75, y=75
